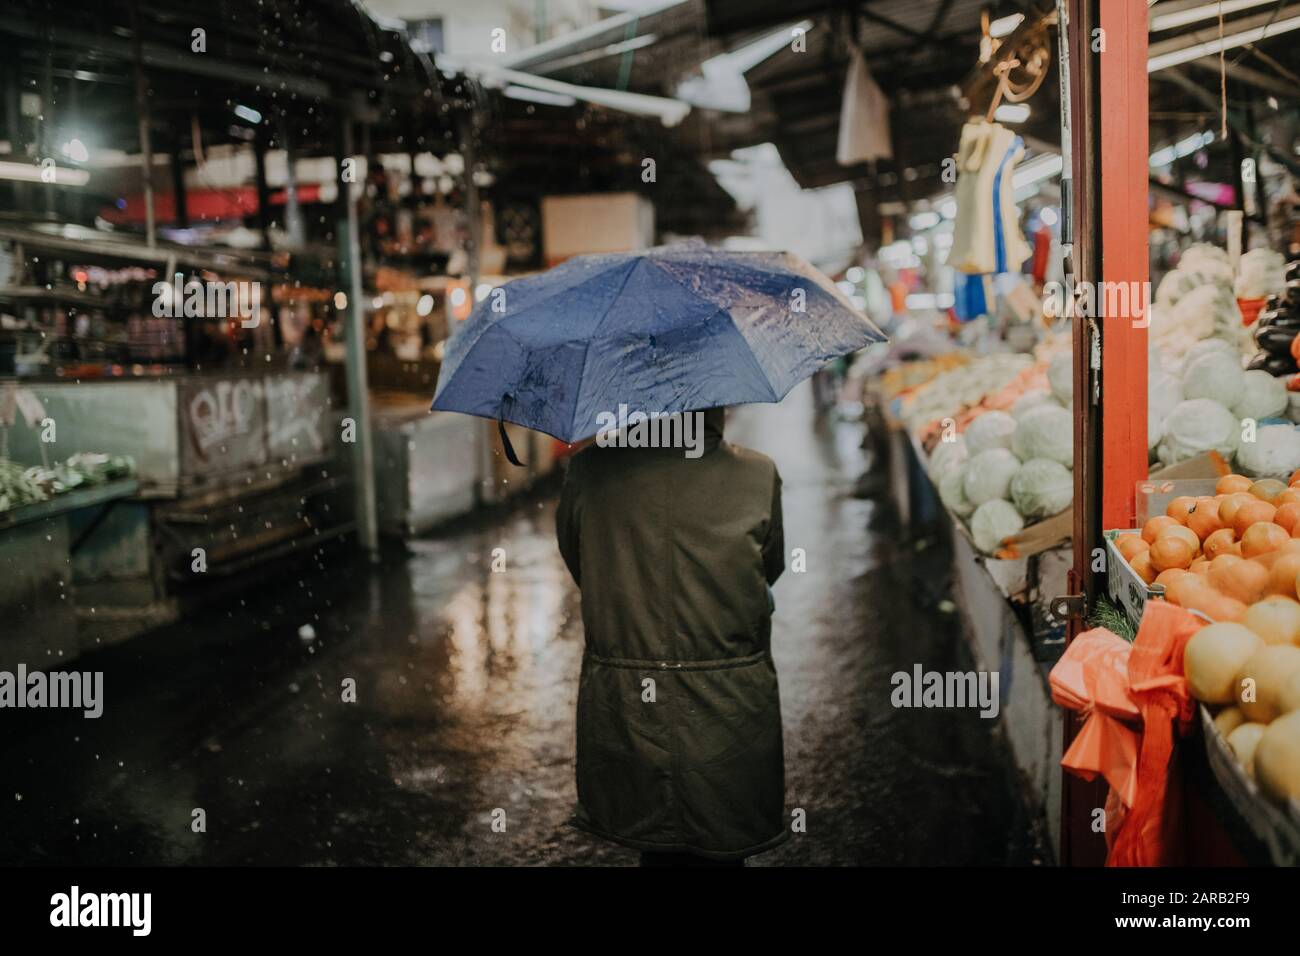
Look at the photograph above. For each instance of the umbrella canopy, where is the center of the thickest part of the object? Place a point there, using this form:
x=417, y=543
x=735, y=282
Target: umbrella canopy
x=672, y=329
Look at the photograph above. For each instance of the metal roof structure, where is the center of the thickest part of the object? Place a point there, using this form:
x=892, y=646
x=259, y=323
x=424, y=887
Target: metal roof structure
x=304, y=62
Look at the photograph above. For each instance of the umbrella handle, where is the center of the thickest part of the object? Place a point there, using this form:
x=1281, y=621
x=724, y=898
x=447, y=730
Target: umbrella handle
x=505, y=444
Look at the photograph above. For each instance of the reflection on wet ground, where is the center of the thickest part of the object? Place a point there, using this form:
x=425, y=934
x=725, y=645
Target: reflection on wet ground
x=466, y=683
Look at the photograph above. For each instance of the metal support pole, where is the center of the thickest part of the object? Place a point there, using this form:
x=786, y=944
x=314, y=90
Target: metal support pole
x=1079, y=844
x=146, y=143
x=292, y=208
x=263, y=190
x=180, y=201
x=488, y=491
x=14, y=129
x=363, y=466
x=473, y=214
x=48, y=145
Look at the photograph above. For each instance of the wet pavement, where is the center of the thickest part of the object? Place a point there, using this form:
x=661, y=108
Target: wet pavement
x=466, y=683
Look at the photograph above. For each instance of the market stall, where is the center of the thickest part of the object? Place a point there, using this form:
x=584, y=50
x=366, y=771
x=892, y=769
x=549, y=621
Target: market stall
x=1041, y=395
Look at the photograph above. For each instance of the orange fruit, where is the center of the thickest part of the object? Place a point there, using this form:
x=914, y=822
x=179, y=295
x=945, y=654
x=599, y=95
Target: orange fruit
x=1130, y=544
x=1167, y=577
x=1141, y=565
x=1220, y=542
x=1225, y=560
x=1155, y=525
x=1185, y=534
x=1180, y=507
x=1261, y=537
x=1282, y=576
x=1267, y=489
x=1291, y=495
x=1252, y=512
x=1229, y=505
x=1204, y=518
x=1287, y=516
x=1216, y=605
x=1200, y=567
x=1294, y=479
x=1185, y=588
x=1230, y=484
x=1266, y=558
x=1245, y=581
x=1171, y=551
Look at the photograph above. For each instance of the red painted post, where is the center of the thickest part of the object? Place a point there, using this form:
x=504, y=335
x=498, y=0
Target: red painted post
x=1121, y=51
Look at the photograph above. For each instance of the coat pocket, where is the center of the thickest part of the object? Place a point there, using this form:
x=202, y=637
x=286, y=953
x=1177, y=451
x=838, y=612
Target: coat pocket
x=730, y=757
x=624, y=756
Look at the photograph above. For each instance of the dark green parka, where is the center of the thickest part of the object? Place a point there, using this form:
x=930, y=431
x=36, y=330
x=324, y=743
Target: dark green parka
x=674, y=556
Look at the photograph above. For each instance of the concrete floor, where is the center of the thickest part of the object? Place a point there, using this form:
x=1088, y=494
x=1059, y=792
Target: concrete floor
x=466, y=683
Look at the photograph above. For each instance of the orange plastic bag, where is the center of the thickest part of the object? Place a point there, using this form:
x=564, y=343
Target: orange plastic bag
x=1149, y=833
x=1092, y=677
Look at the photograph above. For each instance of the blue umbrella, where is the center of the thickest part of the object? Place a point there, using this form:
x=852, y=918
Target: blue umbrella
x=673, y=329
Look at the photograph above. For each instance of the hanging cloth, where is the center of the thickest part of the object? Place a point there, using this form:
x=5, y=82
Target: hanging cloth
x=986, y=234
x=970, y=296
x=864, y=117
x=1012, y=249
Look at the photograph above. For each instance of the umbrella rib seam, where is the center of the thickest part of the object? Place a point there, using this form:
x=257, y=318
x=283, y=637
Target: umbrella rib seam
x=501, y=322
x=577, y=404
x=771, y=390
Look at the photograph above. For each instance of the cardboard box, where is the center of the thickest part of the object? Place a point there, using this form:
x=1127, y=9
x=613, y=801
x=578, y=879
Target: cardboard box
x=598, y=222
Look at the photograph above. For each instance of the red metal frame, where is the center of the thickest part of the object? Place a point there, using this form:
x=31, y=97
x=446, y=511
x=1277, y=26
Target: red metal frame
x=1124, y=159
x=1109, y=158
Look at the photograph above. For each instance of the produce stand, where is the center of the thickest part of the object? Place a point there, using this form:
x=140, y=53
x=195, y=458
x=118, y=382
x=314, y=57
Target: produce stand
x=1162, y=380
x=237, y=464
x=39, y=543
x=427, y=464
x=1148, y=390
x=1006, y=604
x=1267, y=833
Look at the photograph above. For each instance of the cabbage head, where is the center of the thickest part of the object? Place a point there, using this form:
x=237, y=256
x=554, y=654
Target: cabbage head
x=988, y=475
x=994, y=522
x=1042, y=488
x=1274, y=453
x=1198, y=425
x=990, y=430
x=1262, y=396
x=1045, y=432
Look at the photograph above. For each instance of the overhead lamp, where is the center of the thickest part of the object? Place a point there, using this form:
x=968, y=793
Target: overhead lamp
x=1184, y=147
x=75, y=150
x=248, y=114
x=516, y=92
x=1162, y=61
x=1171, y=16
x=31, y=173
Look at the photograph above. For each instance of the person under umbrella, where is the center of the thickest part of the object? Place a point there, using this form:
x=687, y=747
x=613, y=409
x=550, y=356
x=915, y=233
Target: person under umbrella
x=679, y=723
x=674, y=544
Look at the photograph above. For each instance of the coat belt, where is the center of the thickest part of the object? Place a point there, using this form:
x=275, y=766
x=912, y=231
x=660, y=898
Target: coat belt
x=641, y=665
